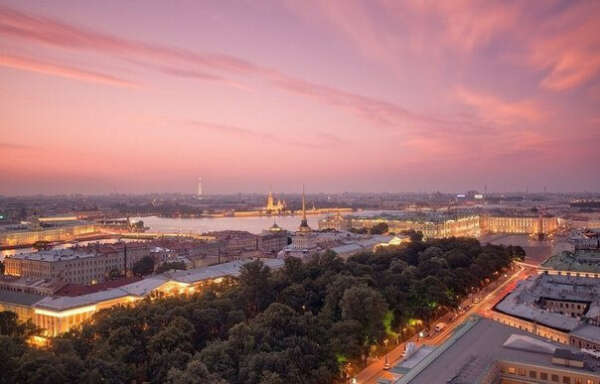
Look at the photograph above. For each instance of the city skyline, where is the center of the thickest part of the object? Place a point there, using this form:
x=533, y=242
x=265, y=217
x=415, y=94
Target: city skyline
x=344, y=96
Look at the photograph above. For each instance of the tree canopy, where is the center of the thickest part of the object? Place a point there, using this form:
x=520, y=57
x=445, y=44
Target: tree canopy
x=144, y=266
x=299, y=324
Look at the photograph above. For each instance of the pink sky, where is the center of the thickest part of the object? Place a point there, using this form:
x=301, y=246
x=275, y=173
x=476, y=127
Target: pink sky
x=377, y=95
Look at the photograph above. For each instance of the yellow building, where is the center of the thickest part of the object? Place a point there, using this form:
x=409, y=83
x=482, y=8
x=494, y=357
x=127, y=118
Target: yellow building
x=62, y=233
x=58, y=314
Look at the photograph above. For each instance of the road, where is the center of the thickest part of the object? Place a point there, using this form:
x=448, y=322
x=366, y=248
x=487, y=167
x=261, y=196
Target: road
x=375, y=370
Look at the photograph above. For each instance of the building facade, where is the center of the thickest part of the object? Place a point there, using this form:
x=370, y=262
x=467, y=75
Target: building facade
x=82, y=265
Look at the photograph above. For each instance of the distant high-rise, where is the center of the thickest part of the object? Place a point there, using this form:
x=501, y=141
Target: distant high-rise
x=199, y=187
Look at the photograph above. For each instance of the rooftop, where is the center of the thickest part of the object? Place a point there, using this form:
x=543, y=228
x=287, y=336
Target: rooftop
x=143, y=287
x=473, y=349
x=19, y=298
x=55, y=255
x=587, y=332
x=522, y=302
x=578, y=261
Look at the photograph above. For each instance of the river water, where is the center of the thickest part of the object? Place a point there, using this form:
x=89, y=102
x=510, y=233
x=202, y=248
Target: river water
x=536, y=250
x=254, y=224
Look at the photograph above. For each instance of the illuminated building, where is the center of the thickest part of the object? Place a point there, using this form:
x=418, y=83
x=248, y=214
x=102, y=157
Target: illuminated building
x=58, y=314
x=67, y=232
x=274, y=207
x=519, y=224
x=441, y=226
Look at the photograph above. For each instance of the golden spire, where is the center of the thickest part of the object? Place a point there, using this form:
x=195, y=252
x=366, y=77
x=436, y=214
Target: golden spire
x=303, y=205
x=304, y=223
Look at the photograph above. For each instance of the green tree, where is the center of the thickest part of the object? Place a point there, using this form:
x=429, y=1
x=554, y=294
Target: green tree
x=164, y=267
x=366, y=306
x=379, y=228
x=144, y=266
x=195, y=372
x=255, y=287
x=11, y=350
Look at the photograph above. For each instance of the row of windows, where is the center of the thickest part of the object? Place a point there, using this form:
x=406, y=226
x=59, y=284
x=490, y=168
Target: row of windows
x=551, y=377
x=577, y=274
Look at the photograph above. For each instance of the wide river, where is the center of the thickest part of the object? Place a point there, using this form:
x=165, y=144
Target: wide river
x=538, y=250
x=254, y=224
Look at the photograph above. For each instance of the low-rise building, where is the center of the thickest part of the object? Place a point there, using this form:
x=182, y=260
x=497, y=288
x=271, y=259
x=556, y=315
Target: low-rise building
x=553, y=306
x=58, y=313
x=272, y=240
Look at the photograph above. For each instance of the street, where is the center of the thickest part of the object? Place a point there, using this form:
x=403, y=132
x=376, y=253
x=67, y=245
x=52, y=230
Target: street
x=375, y=370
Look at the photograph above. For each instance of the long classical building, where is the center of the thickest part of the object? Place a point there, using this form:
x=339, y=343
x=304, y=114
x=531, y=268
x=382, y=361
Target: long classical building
x=56, y=314
x=440, y=226
x=68, y=232
x=83, y=265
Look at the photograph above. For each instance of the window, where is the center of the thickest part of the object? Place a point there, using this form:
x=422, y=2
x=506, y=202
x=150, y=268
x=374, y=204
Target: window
x=566, y=380
x=521, y=372
x=533, y=374
x=511, y=370
x=589, y=381
x=554, y=378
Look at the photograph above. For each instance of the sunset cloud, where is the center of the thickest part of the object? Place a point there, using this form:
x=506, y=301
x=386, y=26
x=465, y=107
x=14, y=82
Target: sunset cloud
x=378, y=112
x=492, y=108
x=568, y=48
x=53, y=69
x=393, y=94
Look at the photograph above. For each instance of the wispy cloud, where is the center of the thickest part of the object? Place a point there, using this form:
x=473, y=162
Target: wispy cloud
x=319, y=141
x=60, y=70
x=491, y=108
x=13, y=146
x=181, y=62
x=568, y=47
